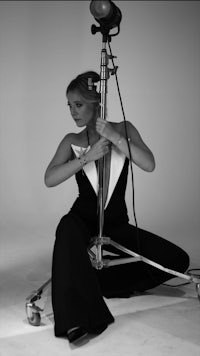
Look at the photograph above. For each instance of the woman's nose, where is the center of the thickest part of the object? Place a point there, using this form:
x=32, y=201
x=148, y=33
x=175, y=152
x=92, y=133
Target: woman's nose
x=73, y=110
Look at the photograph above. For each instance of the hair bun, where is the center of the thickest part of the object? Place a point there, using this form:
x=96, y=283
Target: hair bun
x=86, y=84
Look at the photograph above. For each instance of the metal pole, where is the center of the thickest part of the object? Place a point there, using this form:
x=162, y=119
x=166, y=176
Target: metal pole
x=101, y=162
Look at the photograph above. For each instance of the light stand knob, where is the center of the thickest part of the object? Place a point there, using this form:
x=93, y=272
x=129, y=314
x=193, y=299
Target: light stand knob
x=95, y=29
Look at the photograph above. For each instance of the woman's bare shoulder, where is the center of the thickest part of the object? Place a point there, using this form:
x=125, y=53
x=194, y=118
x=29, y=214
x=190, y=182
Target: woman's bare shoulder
x=78, y=139
x=71, y=138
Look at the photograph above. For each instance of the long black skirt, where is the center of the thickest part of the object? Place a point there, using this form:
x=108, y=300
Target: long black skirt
x=78, y=288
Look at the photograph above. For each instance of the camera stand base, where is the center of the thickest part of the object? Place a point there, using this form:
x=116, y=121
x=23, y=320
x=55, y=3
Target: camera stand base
x=98, y=261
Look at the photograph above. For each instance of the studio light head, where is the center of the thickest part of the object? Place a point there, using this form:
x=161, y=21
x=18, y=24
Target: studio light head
x=107, y=14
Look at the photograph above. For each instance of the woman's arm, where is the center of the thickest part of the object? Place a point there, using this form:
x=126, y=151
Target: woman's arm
x=63, y=165
x=141, y=155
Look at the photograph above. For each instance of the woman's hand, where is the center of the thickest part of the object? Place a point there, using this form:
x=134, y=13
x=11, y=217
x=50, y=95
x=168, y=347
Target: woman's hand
x=98, y=150
x=105, y=129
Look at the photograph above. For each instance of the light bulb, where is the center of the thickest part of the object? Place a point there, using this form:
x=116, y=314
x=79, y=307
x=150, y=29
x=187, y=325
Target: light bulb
x=100, y=8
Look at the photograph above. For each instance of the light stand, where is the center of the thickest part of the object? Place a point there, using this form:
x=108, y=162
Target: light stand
x=104, y=76
x=109, y=17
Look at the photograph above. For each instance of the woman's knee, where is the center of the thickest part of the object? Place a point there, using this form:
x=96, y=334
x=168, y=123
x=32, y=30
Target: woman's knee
x=71, y=231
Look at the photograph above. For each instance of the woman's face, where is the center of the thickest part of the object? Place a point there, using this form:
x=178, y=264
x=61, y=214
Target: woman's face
x=83, y=112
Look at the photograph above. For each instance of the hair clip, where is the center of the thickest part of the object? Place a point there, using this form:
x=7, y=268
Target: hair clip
x=90, y=84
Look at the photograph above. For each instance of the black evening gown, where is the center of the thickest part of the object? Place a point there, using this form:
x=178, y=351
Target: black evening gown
x=78, y=289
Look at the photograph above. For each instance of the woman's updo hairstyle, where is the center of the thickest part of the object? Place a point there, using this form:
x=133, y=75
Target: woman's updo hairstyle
x=85, y=84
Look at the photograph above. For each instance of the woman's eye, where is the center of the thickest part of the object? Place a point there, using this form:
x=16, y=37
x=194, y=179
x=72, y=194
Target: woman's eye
x=78, y=105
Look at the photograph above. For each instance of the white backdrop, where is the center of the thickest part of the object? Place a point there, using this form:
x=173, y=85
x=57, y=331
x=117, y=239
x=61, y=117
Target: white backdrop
x=43, y=45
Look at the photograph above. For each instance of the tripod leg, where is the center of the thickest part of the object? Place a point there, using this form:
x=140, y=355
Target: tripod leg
x=154, y=264
x=32, y=310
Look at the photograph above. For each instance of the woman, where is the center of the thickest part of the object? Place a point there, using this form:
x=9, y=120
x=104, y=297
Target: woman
x=78, y=288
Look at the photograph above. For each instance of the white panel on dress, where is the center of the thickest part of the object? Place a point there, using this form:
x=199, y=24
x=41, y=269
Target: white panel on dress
x=116, y=166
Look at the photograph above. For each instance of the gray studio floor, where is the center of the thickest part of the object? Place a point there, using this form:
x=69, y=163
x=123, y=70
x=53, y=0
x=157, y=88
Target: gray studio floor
x=161, y=322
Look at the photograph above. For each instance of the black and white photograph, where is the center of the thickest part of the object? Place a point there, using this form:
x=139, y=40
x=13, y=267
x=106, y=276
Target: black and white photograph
x=100, y=178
